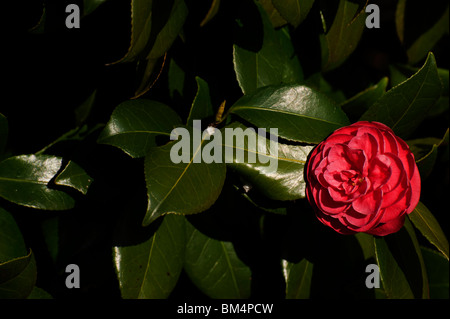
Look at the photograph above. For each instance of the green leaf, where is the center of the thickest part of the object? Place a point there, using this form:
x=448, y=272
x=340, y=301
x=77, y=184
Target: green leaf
x=402, y=269
x=24, y=180
x=276, y=170
x=343, y=36
x=273, y=63
x=394, y=281
x=419, y=46
x=293, y=11
x=427, y=224
x=300, y=113
x=425, y=152
x=298, y=278
x=135, y=124
x=403, y=107
x=355, y=106
x=12, y=244
x=437, y=271
x=74, y=176
x=188, y=187
x=154, y=26
x=17, y=277
x=201, y=106
x=150, y=269
x=39, y=293
x=211, y=12
x=89, y=6
x=3, y=133
x=214, y=267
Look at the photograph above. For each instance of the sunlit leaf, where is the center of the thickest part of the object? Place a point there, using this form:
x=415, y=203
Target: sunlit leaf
x=300, y=113
x=403, y=107
x=214, y=267
x=135, y=124
x=150, y=269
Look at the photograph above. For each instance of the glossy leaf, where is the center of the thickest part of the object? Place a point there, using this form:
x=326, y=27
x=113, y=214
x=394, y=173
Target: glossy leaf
x=403, y=107
x=343, y=36
x=355, y=106
x=273, y=63
x=74, y=176
x=201, y=106
x=24, y=180
x=437, y=271
x=186, y=187
x=277, y=175
x=135, y=124
x=17, y=277
x=150, y=269
x=214, y=267
x=3, y=133
x=298, y=278
x=293, y=11
x=427, y=224
x=300, y=113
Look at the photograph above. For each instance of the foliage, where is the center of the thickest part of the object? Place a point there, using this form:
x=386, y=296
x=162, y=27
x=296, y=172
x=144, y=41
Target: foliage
x=106, y=196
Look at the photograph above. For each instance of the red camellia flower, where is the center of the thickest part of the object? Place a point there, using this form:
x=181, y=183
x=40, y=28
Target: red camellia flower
x=363, y=178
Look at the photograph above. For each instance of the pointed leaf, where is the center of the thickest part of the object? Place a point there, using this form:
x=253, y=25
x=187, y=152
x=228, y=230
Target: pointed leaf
x=275, y=169
x=186, y=187
x=201, y=106
x=273, y=63
x=74, y=176
x=293, y=11
x=403, y=107
x=214, y=267
x=298, y=278
x=300, y=113
x=427, y=224
x=135, y=124
x=150, y=270
x=24, y=180
x=343, y=36
x=355, y=106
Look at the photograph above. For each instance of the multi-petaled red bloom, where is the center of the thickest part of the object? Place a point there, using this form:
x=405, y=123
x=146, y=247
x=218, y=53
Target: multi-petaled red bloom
x=363, y=178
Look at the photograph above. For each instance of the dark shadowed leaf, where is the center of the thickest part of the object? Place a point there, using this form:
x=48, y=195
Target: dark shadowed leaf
x=201, y=106
x=427, y=224
x=343, y=36
x=300, y=113
x=214, y=267
x=437, y=270
x=135, y=124
x=17, y=277
x=12, y=244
